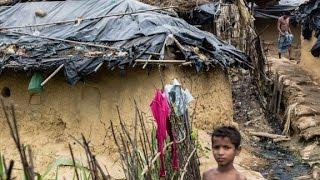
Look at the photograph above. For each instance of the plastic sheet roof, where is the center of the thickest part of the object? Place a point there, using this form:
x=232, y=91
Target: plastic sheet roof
x=116, y=40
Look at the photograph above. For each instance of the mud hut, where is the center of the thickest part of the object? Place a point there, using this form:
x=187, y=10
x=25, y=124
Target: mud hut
x=109, y=53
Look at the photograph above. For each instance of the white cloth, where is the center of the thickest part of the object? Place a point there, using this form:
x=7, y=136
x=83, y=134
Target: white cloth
x=178, y=97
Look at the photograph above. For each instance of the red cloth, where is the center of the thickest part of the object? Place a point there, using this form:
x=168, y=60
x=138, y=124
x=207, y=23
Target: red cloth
x=174, y=153
x=161, y=112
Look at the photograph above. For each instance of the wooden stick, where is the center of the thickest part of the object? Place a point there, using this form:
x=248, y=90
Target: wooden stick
x=145, y=64
x=119, y=149
x=282, y=139
x=74, y=162
x=162, y=52
x=291, y=109
x=187, y=63
x=160, y=61
x=86, y=19
x=187, y=163
x=64, y=40
x=31, y=164
x=267, y=135
x=9, y=170
x=51, y=76
x=147, y=168
x=98, y=67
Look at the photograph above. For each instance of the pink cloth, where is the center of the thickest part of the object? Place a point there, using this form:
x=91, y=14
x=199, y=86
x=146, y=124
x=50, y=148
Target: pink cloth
x=161, y=112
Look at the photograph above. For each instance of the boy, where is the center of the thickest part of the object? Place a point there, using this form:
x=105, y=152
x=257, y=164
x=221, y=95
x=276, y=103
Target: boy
x=285, y=36
x=225, y=146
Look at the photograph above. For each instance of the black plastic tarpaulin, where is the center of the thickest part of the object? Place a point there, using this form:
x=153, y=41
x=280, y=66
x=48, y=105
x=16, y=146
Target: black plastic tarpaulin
x=28, y=44
x=308, y=15
x=203, y=14
x=273, y=12
x=276, y=10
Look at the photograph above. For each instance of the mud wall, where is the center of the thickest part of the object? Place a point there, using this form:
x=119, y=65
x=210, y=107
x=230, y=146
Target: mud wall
x=309, y=62
x=46, y=120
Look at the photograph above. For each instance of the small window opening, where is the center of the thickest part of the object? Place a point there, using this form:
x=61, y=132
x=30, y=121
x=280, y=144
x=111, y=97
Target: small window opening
x=5, y=92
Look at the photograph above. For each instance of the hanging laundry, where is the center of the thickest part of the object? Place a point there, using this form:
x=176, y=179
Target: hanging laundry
x=174, y=153
x=178, y=97
x=161, y=112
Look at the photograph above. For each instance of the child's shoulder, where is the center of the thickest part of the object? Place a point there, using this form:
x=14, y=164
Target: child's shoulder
x=213, y=173
x=209, y=174
x=241, y=176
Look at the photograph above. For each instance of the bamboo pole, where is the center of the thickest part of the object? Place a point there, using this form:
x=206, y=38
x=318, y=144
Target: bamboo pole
x=51, y=76
x=98, y=67
x=267, y=135
x=87, y=19
x=146, y=63
x=160, y=61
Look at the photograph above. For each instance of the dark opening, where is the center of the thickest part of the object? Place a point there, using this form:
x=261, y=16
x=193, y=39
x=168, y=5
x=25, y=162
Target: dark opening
x=5, y=92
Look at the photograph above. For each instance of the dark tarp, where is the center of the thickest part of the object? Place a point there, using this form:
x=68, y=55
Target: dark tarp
x=277, y=9
x=268, y=3
x=315, y=51
x=130, y=36
x=273, y=12
x=202, y=14
x=308, y=15
x=291, y=2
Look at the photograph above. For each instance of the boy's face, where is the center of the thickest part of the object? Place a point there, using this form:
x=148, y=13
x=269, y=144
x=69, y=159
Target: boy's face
x=223, y=150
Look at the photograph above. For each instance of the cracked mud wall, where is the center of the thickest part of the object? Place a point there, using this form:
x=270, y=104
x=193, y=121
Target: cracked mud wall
x=46, y=120
x=309, y=62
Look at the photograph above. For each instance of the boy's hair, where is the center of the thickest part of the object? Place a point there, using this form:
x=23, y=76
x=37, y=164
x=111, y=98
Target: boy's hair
x=228, y=131
x=286, y=13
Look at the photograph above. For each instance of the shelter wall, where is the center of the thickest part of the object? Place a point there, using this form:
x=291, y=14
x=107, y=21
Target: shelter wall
x=309, y=62
x=46, y=120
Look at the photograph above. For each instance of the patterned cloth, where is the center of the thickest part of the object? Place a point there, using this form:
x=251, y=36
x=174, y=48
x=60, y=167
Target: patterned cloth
x=284, y=42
